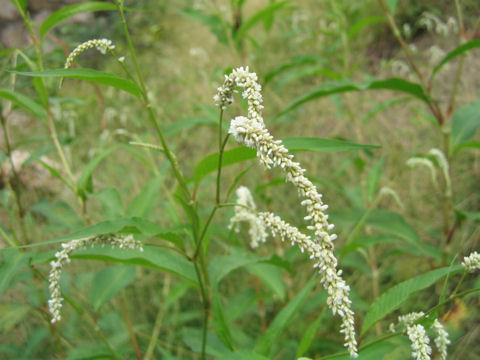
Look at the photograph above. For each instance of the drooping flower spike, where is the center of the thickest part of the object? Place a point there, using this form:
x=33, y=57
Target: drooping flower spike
x=251, y=132
x=62, y=257
x=102, y=45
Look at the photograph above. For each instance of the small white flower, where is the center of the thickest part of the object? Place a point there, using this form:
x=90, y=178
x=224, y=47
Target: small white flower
x=410, y=319
x=472, y=262
x=243, y=213
x=63, y=257
x=441, y=340
x=421, y=349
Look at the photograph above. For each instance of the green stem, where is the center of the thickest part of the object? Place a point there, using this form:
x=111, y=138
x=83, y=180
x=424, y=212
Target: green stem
x=170, y=156
x=206, y=309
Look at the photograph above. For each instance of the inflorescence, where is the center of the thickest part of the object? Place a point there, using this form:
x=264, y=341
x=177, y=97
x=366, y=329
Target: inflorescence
x=102, y=45
x=421, y=349
x=251, y=131
x=472, y=262
x=62, y=257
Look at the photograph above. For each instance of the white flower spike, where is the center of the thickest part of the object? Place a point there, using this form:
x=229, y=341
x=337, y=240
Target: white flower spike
x=63, y=257
x=251, y=131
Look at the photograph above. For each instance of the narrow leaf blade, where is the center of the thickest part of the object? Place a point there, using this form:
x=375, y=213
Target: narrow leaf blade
x=396, y=295
x=24, y=102
x=108, y=282
x=327, y=89
x=456, y=52
x=89, y=75
x=282, y=319
x=68, y=11
x=465, y=122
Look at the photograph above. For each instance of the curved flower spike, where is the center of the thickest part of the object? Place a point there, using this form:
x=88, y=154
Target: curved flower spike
x=251, y=132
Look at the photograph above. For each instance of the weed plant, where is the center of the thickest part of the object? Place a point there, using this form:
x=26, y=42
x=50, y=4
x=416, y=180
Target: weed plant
x=191, y=266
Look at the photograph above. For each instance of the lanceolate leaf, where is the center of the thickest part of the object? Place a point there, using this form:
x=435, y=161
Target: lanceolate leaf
x=327, y=89
x=210, y=163
x=221, y=265
x=108, y=282
x=394, y=297
x=456, y=52
x=465, y=122
x=11, y=261
x=219, y=323
x=133, y=225
x=242, y=153
x=68, y=11
x=152, y=257
x=282, y=319
x=382, y=220
x=24, y=102
x=89, y=75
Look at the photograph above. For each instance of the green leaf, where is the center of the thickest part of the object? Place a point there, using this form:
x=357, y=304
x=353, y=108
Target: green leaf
x=220, y=325
x=385, y=221
x=362, y=23
x=465, y=122
x=214, y=347
x=143, y=203
x=89, y=75
x=12, y=261
x=456, y=52
x=210, y=163
x=327, y=89
x=111, y=202
x=125, y=225
x=296, y=62
x=322, y=145
x=373, y=179
x=282, y=319
x=222, y=265
x=59, y=213
x=367, y=241
x=151, y=257
x=258, y=17
x=307, y=338
x=108, y=282
x=468, y=145
x=88, y=170
x=271, y=276
x=395, y=296
x=24, y=102
x=68, y=11
x=214, y=22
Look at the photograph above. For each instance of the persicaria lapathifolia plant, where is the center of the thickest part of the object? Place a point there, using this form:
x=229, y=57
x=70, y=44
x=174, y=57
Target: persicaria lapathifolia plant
x=251, y=132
